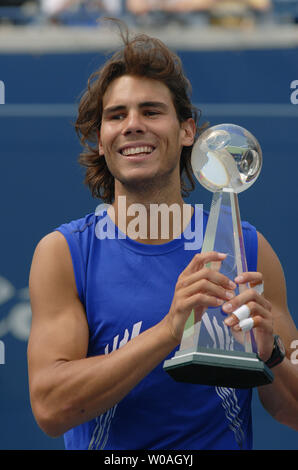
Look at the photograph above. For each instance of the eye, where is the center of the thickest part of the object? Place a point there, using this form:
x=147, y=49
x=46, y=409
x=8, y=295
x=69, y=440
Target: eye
x=151, y=112
x=117, y=117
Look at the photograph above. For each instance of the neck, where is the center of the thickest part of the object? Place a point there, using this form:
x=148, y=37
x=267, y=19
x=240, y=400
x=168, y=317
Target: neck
x=151, y=216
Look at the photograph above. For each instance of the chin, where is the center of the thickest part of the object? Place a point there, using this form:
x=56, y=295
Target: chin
x=141, y=179
x=138, y=177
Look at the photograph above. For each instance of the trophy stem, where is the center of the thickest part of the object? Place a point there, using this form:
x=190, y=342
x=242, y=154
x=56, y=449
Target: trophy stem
x=192, y=327
x=238, y=236
x=223, y=233
x=240, y=256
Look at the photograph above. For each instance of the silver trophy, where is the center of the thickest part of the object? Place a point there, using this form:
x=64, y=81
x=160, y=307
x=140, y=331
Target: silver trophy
x=226, y=160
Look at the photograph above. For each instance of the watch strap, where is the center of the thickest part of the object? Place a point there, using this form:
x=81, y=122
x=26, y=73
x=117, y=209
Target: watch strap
x=278, y=353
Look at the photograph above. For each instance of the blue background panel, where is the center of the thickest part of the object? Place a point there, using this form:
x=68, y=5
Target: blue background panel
x=42, y=187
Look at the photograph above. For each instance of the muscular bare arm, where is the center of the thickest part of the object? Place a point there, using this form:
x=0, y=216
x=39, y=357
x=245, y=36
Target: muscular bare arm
x=281, y=398
x=68, y=388
x=271, y=316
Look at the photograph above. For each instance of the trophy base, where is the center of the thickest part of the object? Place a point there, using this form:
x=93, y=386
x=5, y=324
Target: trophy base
x=206, y=366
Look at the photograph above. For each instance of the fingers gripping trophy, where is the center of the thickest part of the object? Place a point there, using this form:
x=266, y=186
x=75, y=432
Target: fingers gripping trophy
x=226, y=160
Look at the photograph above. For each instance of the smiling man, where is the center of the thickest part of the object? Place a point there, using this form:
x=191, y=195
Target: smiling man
x=108, y=312
x=147, y=111
x=141, y=140
x=142, y=136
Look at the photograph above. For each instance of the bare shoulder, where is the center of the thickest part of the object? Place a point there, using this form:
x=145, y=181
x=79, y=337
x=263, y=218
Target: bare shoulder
x=55, y=304
x=52, y=245
x=52, y=286
x=275, y=290
x=52, y=263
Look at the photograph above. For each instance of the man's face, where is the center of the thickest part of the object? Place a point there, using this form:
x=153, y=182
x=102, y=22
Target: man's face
x=140, y=136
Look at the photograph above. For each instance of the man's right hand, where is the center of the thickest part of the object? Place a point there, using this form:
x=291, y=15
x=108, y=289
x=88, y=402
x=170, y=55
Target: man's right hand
x=198, y=287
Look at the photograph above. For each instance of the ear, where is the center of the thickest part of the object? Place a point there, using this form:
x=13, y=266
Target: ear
x=188, y=132
x=100, y=147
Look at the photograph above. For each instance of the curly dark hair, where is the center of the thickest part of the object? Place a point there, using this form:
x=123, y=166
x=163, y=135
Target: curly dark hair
x=141, y=56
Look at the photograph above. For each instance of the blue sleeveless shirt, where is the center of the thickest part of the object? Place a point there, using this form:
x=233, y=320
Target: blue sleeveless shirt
x=127, y=287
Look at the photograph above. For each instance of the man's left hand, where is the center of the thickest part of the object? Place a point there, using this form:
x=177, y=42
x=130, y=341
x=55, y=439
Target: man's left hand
x=260, y=312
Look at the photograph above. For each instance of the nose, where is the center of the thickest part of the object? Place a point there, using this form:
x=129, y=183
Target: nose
x=133, y=123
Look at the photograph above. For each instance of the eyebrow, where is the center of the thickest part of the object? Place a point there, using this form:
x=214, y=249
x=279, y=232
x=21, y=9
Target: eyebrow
x=145, y=104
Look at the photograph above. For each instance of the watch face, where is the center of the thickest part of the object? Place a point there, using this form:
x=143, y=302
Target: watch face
x=280, y=345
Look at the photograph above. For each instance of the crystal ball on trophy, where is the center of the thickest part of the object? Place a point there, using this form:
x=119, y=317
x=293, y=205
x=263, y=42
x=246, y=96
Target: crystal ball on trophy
x=227, y=156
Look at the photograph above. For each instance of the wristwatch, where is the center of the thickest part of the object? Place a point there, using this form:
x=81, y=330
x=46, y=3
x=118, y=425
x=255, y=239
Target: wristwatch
x=278, y=353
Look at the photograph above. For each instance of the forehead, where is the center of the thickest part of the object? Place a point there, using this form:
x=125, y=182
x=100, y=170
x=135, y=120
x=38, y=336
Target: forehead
x=132, y=89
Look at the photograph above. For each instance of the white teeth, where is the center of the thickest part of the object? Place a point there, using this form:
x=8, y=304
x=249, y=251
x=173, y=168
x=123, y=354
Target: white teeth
x=134, y=150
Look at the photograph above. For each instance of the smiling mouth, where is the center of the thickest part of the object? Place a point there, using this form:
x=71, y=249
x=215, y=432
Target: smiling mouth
x=137, y=151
